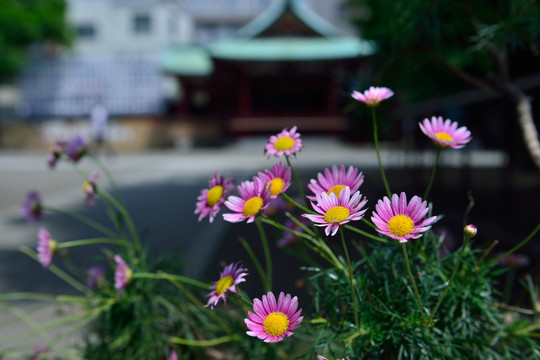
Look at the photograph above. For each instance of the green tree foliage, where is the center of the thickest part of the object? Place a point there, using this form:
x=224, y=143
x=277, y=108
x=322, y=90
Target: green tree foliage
x=27, y=22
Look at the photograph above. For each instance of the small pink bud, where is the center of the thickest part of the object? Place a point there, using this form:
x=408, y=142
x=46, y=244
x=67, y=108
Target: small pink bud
x=470, y=231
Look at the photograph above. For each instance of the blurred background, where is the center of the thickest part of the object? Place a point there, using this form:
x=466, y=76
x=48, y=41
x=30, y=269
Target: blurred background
x=188, y=87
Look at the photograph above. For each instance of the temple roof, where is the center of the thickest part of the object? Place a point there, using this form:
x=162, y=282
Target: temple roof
x=287, y=31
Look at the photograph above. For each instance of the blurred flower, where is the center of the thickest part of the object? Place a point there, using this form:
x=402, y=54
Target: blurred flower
x=335, y=181
x=278, y=206
x=373, y=96
x=32, y=209
x=515, y=261
x=445, y=134
x=173, y=356
x=285, y=143
x=254, y=198
x=273, y=321
x=95, y=276
x=123, y=274
x=288, y=238
x=76, y=148
x=55, y=152
x=400, y=221
x=337, y=210
x=90, y=187
x=277, y=180
x=232, y=275
x=40, y=353
x=210, y=201
x=319, y=357
x=46, y=248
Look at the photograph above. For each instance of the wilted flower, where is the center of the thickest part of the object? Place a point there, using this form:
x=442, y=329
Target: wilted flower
x=210, y=201
x=373, y=96
x=287, y=143
x=55, y=152
x=95, y=275
x=32, y=209
x=335, y=181
x=445, y=134
x=90, y=187
x=337, y=210
x=254, y=198
x=46, y=248
x=277, y=180
x=400, y=221
x=232, y=275
x=122, y=275
x=273, y=321
x=76, y=148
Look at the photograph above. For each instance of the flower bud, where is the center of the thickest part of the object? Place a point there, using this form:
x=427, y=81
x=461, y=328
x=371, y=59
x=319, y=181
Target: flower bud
x=470, y=231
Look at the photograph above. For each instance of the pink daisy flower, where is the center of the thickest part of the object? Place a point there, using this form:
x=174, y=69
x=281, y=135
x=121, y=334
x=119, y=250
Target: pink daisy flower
x=335, y=181
x=337, y=210
x=373, y=96
x=232, y=275
x=285, y=143
x=122, y=275
x=94, y=277
x=277, y=180
x=46, y=248
x=173, y=355
x=210, y=201
x=76, y=148
x=400, y=221
x=55, y=152
x=32, y=209
x=445, y=134
x=273, y=320
x=90, y=187
x=254, y=199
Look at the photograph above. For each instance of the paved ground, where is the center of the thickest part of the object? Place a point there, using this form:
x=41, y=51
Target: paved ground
x=160, y=190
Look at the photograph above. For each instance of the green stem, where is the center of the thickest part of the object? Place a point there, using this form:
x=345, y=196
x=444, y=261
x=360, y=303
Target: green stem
x=376, y=141
x=267, y=255
x=204, y=343
x=84, y=219
x=515, y=248
x=256, y=262
x=295, y=203
x=464, y=247
x=433, y=171
x=297, y=179
x=368, y=223
x=165, y=276
x=366, y=234
x=353, y=293
x=94, y=241
x=416, y=293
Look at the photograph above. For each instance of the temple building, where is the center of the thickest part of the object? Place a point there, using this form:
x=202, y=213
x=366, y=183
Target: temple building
x=286, y=67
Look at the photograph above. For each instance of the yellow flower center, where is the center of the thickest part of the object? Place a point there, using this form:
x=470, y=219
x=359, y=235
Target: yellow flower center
x=53, y=246
x=443, y=136
x=284, y=143
x=86, y=186
x=129, y=275
x=223, y=284
x=276, y=324
x=336, y=214
x=252, y=206
x=400, y=225
x=214, y=195
x=276, y=186
x=336, y=189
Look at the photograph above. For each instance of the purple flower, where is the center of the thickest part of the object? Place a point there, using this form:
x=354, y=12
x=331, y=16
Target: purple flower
x=173, y=355
x=122, y=275
x=277, y=180
x=90, y=187
x=254, y=199
x=335, y=181
x=287, y=143
x=76, y=148
x=46, y=248
x=32, y=209
x=289, y=238
x=373, y=96
x=55, y=152
x=210, y=201
x=402, y=221
x=232, y=275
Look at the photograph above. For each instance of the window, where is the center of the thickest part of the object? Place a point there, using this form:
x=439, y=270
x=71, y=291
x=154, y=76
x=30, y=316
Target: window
x=85, y=31
x=141, y=23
